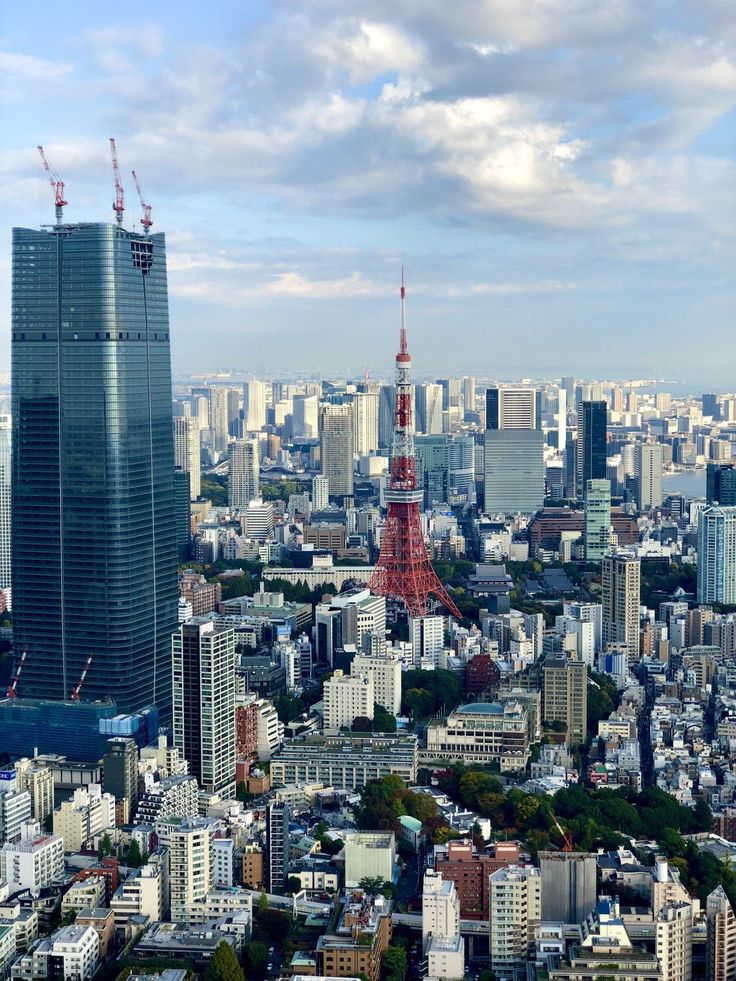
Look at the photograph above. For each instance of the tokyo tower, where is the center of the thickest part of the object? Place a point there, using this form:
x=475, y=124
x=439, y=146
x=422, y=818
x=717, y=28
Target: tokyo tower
x=403, y=570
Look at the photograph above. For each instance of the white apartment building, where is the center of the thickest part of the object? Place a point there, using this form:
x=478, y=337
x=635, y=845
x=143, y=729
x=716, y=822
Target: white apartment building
x=369, y=853
x=89, y=813
x=269, y=730
x=674, y=941
x=345, y=698
x=38, y=780
x=8, y=947
x=15, y=810
x=33, y=864
x=224, y=859
x=191, y=864
x=365, y=422
x=385, y=673
x=515, y=910
x=320, y=492
x=144, y=894
x=187, y=451
x=443, y=947
x=77, y=947
x=427, y=636
x=648, y=464
x=243, y=472
x=175, y=795
x=84, y=894
x=257, y=519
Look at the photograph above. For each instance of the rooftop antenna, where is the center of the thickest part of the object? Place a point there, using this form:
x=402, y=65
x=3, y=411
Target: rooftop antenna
x=57, y=186
x=119, y=203
x=402, y=334
x=146, y=220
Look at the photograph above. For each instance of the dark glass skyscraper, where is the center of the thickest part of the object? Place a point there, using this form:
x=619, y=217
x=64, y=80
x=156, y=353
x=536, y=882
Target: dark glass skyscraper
x=721, y=484
x=591, y=448
x=94, y=540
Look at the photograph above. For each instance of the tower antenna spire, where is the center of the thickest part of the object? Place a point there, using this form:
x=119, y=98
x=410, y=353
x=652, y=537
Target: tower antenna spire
x=402, y=334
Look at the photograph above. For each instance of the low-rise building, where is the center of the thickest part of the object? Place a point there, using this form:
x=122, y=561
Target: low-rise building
x=33, y=864
x=71, y=953
x=84, y=894
x=344, y=761
x=88, y=814
x=482, y=732
x=355, y=947
x=369, y=854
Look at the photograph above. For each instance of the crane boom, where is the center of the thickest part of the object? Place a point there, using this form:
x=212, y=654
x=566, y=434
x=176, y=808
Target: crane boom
x=12, y=691
x=119, y=203
x=57, y=186
x=146, y=220
x=75, y=695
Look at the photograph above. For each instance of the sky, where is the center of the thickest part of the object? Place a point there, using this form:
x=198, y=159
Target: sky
x=557, y=176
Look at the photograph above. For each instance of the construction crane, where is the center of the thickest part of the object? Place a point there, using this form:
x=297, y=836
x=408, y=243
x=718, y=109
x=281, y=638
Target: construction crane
x=12, y=691
x=75, y=695
x=566, y=836
x=146, y=220
x=57, y=186
x=119, y=203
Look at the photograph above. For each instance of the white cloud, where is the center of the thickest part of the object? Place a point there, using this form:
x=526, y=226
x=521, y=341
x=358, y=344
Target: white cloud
x=31, y=68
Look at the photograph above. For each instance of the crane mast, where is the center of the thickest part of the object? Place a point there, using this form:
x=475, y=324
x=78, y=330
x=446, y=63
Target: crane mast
x=57, y=186
x=146, y=220
x=119, y=203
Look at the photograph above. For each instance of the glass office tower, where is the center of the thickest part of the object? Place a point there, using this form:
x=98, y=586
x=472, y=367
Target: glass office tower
x=591, y=448
x=94, y=537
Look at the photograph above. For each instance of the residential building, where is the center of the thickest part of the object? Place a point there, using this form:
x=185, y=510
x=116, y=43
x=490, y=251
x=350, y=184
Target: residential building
x=320, y=492
x=355, y=947
x=187, y=451
x=648, y=463
x=171, y=796
x=621, y=584
x=253, y=866
x=565, y=696
x=674, y=941
x=33, y=863
x=191, y=863
x=597, y=520
x=254, y=406
x=144, y=893
x=276, y=868
x=482, y=732
x=717, y=555
x=720, y=946
x=347, y=697
x=568, y=886
x=204, y=702
x=515, y=910
x=86, y=816
x=90, y=333
x=337, y=447
x=442, y=945
x=369, y=854
x=427, y=637
x=38, y=780
x=345, y=762
x=470, y=870
x=243, y=480
x=365, y=422
x=384, y=672
x=15, y=809
x=120, y=772
x=72, y=953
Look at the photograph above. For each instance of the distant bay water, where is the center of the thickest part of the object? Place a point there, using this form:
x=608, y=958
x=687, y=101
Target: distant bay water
x=689, y=483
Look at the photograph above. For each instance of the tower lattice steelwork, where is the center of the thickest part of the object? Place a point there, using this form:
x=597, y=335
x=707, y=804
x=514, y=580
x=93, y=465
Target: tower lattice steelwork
x=403, y=569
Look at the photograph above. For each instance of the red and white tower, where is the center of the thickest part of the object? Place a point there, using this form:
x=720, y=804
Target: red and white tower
x=403, y=570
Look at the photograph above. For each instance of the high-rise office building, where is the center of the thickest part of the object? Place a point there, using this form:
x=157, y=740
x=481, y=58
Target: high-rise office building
x=514, y=471
x=93, y=453
x=276, y=869
x=597, y=520
x=468, y=394
x=254, y=406
x=568, y=886
x=305, y=416
x=6, y=458
x=320, y=492
x=365, y=422
x=243, y=480
x=591, y=444
x=428, y=408
x=234, y=426
x=721, y=484
x=219, y=424
x=120, y=773
x=621, y=588
x=186, y=451
x=461, y=470
x=717, y=555
x=204, y=702
x=648, y=467
x=711, y=406
x=432, y=467
x=720, y=943
x=337, y=447
x=513, y=407
x=386, y=399
x=182, y=515
x=564, y=696
x=561, y=419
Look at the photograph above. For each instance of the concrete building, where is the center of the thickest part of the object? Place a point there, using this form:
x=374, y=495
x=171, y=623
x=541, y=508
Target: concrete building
x=648, y=464
x=191, y=864
x=597, y=520
x=256, y=520
x=254, y=406
x=717, y=555
x=442, y=945
x=243, y=480
x=515, y=910
x=621, y=586
x=514, y=471
x=145, y=893
x=276, y=866
x=224, y=858
x=565, y=696
x=72, y=953
x=346, y=697
x=482, y=732
x=568, y=886
x=204, y=702
x=369, y=854
x=38, y=780
x=15, y=809
x=345, y=762
x=87, y=815
x=348, y=619
x=187, y=451
x=512, y=407
x=428, y=408
x=427, y=637
x=337, y=447
x=120, y=774
x=384, y=672
x=6, y=459
x=320, y=492
x=470, y=870
x=355, y=947
x=304, y=417
x=171, y=796
x=365, y=422
x=34, y=863
x=720, y=947
x=674, y=941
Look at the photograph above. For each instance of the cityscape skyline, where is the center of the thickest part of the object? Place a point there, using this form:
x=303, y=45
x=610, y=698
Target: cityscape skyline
x=534, y=199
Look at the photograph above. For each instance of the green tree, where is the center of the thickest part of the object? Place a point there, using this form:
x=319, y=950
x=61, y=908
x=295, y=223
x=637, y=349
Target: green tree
x=361, y=723
x=383, y=721
x=393, y=964
x=107, y=845
x=134, y=854
x=293, y=884
x=255, y=956
x=421, y=806
x=444, y=834
x=263, y=901
x=372, y=885
x=224, y=964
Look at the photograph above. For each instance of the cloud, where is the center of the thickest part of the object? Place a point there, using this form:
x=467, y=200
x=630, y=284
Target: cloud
x=31, y=68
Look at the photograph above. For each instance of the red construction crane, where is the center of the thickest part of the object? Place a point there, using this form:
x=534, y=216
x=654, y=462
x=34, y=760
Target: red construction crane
x=57, y=186
x=146, y=220
x=119, y=203
x=12, y=691
x=75, y=695
x=566, y=836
